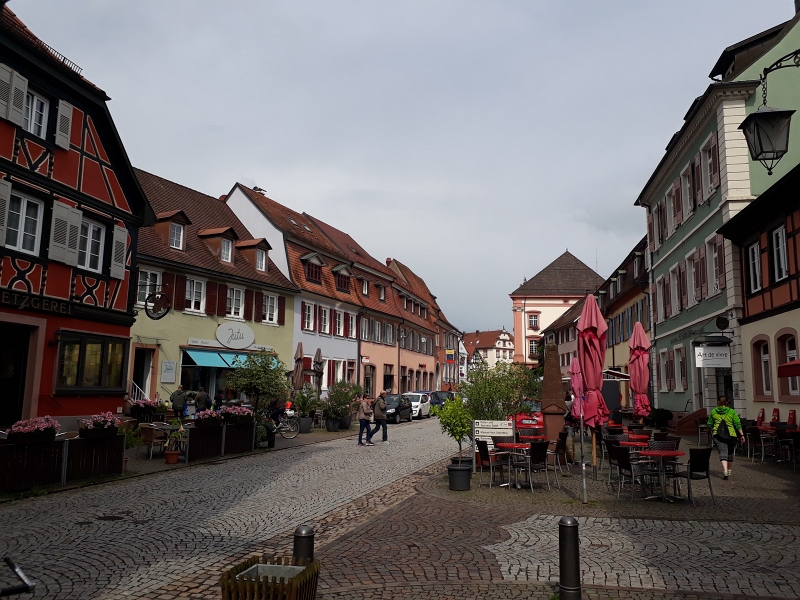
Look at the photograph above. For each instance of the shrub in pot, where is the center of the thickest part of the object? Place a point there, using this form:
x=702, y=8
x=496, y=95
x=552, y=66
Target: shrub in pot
x=341, y=404
x=305, y=403
x=39, y=429
x=456, y=422
x=207, y=418
x=99, y=425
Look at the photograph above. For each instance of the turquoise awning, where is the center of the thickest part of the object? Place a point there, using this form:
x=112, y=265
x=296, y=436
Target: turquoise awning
x=207, y=358
x=229, y=356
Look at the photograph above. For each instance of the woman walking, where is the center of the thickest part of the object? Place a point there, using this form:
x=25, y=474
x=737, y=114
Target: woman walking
x=724, y=424
x=364, y=412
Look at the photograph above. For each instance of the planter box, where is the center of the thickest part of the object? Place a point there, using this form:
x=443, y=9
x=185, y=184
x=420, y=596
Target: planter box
x=207, y=422
x=32, y=437
x=459, y=477
x=263, y=578
x=97, y=433
x=332, y=425
x=345, y=422
x=305, y=424
x=204, y=442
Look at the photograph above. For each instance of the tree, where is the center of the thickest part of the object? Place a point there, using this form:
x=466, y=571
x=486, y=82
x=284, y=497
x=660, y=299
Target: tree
x=455, y=421
x=262, y=376
x=493, y=394
x=342, y=399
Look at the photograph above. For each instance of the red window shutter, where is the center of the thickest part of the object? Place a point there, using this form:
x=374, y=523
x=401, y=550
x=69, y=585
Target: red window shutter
x=258, y=308
x=671, y=356
x=211, y=298
x=222, y=300
x=698, y=180
x=248, y=305
x=302, y=315
x=651, y=242
x=317, y=320
x=654, y=298
x=690, y=201
x=168, y=286
x=667, y=296
x=346, y=324
x=307, y=363
x=714, y=161
x=332, y=326
x=281, y=310
x=331, y=372
x=703, y=272
x=677, y=199
x=180, y=292
x=684, y=369
x=683, y=284
x=721, y=262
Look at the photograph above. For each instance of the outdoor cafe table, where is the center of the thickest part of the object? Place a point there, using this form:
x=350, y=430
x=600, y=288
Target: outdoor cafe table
x=662, y=455
x=509, y=448
x=533, y=438
x=634, y=446
x=638, y=438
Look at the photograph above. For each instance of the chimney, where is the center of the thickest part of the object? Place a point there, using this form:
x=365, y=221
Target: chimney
x=222, y=198
x=477, y=332
x=389, y=260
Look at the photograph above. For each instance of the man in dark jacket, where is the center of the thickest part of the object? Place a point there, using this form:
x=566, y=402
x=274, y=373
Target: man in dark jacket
x=379, y=410
x=201, y=400
x=178, y=400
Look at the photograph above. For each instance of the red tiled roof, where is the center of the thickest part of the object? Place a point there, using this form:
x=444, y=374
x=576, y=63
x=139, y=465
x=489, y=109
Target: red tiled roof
x=565, y=276
x=215, y=231
x=327, y=287
x=484, y=339
x=205, y=213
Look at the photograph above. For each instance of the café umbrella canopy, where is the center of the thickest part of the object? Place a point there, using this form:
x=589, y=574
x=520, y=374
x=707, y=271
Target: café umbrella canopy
x=639, y=369
x=576, y=385
x=297, y=374
x=592, y=330
x=767, y=133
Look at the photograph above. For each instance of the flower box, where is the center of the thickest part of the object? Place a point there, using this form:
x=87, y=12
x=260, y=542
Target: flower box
x=98, y=432
x=207, y=422
x=31, y=437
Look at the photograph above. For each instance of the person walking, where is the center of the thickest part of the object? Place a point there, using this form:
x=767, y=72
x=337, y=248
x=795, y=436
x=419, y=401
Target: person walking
x=178, y=400
x=201, y=400
x=364, y=412
x=218, y=400
x=379, y=410
x=724, y=424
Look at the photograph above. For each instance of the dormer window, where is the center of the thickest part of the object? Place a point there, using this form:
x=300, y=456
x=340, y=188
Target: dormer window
x=365, y=288
x=405, y=303
x=382, y=294
x=342, y=282
x=261, y=260
x=226, y=253
x=176, y=236
x=35, y=115
x=293, y=222
x=307, y=228
x=313, y=272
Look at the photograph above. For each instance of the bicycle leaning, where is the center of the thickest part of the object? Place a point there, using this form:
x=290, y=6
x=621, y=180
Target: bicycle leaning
x=288, y=427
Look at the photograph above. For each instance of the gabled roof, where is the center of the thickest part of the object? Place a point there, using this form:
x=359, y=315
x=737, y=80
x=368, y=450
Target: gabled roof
x=565, y=276
x=205, y=213
x=734, y=59
x=327, y=285
x=484, y=339
x=571, y=316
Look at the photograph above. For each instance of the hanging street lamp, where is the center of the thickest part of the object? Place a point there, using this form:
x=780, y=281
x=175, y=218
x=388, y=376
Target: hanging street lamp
x=767, y=129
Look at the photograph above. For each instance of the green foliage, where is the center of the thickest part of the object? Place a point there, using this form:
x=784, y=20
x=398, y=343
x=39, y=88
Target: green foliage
x=262, y=377
x=176, y=422
x=495, y=393
x=132, y=437
x=261, y=434
x=342, y=399
x=455, y=421
x=305, y=401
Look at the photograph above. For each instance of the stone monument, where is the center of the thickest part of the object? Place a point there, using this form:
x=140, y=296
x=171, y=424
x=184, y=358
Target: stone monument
x=553, y=406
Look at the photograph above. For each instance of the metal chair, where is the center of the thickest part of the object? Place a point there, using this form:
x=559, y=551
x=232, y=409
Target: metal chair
x=538, y=462
x=151, y=436
x=697, y=468
x=559, y=451
x=631, y=470
x=702, y=430
x=487, y=460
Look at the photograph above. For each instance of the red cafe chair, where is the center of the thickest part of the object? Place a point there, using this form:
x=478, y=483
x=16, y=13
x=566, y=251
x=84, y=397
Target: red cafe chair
x=776, y=415
x=792, y=418
x=760, y=419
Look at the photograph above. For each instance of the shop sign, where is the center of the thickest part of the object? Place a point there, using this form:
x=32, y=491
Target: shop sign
x=215, y=344
x=365, y=359
x=450, y=356
x=236, y=336
x=168, y=368
x=23, y=301
x=712, y=356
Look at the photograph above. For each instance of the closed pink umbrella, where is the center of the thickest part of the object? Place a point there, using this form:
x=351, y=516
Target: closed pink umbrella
x=592, y=330
x=639, y=369
x=576, y=383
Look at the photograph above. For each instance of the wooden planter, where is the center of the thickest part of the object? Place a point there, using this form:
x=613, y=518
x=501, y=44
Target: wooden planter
x=97, y=433
x=32, y=437
x=207, y=422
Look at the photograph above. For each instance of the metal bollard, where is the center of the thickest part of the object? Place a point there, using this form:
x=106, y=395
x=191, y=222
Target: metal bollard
x=304, y=542
x=569, y=565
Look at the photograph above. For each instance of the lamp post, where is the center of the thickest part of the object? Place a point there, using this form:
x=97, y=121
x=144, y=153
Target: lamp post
x=767, y=129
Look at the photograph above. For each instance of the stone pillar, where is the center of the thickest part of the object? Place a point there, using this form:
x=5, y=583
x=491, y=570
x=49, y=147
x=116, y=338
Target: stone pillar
x=553, y=407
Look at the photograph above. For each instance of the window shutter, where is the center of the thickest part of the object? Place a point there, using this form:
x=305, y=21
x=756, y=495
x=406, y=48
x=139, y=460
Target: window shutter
x=703, y=272
x=168, y=286
x=317, y=320
x=306, y=363
x=179, y=303
x=678, y=201
x=258, y=309
x=118, y=251
x=211, y=298
x=684, y=370
x=6, y=75
x=65, y=234
x=281, y=310
x=651, y=243
x=222, y=300
x=671, y=382
x=248, y=305
x=663, y=220
x=5, y=198
x=331, y=372
x=332, y=326
x=698, y=180
x=667, y=296
x=714, y=161
x=58, y=231
x=16, y=105
x=684, y=289
x=302, y=315
x=658, y=372
x=690, y=190
x=654, y=297
x=63, y=124
x=720, y=262
x=346, y=321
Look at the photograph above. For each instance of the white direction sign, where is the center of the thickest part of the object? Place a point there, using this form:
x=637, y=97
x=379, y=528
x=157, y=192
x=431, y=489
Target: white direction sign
x=484, y=430
x=712, y=356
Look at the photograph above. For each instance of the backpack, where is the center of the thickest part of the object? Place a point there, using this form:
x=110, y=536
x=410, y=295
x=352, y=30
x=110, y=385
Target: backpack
x=723, y=433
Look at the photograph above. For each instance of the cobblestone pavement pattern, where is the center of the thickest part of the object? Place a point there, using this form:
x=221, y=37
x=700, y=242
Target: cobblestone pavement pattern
x=141, y=538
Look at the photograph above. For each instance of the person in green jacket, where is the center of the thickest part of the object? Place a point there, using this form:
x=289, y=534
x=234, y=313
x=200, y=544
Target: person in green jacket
x=178, y=399
x=724, y=424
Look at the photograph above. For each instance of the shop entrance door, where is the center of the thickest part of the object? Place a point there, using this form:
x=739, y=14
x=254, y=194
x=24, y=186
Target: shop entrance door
x=142, y=369
x=13, y=367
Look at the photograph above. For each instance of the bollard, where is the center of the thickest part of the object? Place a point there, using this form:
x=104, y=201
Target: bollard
x=304, y=542
x=569, y=565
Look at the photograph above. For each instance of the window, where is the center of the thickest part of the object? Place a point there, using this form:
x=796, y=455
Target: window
x=679, y=369
x=308, y=317
x=405, y=303
x=531, y=348
x=533, y=321
x=779, y=253
x=686, y=192
x=669, y=203
x=269, y=312
x=343, y=282
x=790, y=343
x=375, y=331
x=234, y=306
x=674, y=291
x=635, y=267
x=766, y=382
x=324, y=322
x=709, y=166
x=365, y=329
x=176, y=236
x=364, y=287
x=90, y=246
x=148, y=283
x=388, y=334
x=712, y=267
x=660, y=299
x=87, y=361
x=690, y=281
x=313, y=272
x=195, y=300
x=35, y=115
x=226, y=251
x=662, y=361
x=382, y=294
x=754, y=267
x=339, y=323
x=24, y=228
x=351, y=333
x=261, y=260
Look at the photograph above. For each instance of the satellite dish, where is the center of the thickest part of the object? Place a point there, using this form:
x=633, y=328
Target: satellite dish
x=722, y=322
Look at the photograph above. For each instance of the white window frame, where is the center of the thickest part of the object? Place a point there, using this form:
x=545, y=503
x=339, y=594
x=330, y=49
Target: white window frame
x=705, y=168
x=266, y=319
x=339, y=325
x=662, y=357
x=261, y=260
x=388, y=334
x=232, y=294
x=674, y=291
x=661, y=316
x=764, y=361
x=173, y=229
x=24, y=202
x=712, y=266
x=690, y=289
x=365, y=329
x=686, y=193
x=92, y=225
x=754, y=266
x=27, y=123
x=191, y=284
x=324, y=320
x=531, y=347
x=669, y=203
x=381, y=293
x=364, y=287
x=154, y=285
x=677, y=358
x=794, y=382
x=308, y=318
x=352, y=326
x=405, y=302
x=226, y=251
x=779, y=253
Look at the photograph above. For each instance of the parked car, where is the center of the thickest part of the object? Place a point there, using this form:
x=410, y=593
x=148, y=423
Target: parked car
x=398, y=408
x=420, y=404
x=529, y=415
x=438, y=398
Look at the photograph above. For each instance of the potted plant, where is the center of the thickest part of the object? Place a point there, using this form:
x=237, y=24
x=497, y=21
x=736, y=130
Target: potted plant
x=265, y=435
x=143, y=407
x=456, y=422
x=99, y=425
x=40, y=429
x=236, y=414
x=207, y=418
x=173, y=446
x=305, y=403
x=341, y=404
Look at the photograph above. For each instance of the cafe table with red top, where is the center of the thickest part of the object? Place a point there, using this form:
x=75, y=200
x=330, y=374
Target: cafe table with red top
x=662, y=456
x=634, y=446
x=533, y=438
x=637, y=437
x=509, y=448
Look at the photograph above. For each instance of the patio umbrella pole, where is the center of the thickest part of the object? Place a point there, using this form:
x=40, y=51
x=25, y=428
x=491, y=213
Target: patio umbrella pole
x=583, y=459
x=594, y=454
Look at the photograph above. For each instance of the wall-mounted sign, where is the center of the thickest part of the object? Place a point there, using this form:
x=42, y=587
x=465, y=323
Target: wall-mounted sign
x=237, y=336
x=423, y=365
x=365, y=359
x=168, y=369
x=484, y=430
x=450, y=356
x=215, y=344
x=23, y=301
x=712, y=356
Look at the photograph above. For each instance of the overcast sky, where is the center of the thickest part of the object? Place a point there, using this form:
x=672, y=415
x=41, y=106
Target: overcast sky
x=474, y=141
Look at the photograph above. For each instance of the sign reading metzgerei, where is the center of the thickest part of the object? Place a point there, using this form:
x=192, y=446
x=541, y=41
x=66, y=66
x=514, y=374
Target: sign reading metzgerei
x=712, y=356
x=484, y=430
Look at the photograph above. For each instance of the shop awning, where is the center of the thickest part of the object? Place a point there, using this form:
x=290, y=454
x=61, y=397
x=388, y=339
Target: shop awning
x=207, y=358
x=789, y=369
x=229, y=356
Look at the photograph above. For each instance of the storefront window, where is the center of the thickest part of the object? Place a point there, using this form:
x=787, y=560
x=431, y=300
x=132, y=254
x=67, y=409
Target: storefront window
x=91, y=363
x=68, y=363
x=114, y=358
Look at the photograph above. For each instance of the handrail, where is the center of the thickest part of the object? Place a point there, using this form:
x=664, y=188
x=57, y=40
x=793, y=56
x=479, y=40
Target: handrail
x=137, y=393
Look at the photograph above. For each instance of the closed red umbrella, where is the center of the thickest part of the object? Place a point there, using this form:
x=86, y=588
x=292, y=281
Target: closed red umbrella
x=592, y=331
x=576, y=383
x=639, y=369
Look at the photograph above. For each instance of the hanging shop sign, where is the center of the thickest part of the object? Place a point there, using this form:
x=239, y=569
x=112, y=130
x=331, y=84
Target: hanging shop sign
x=168, y=368
x=712, y=356
x=450, y=356
x=236, y=336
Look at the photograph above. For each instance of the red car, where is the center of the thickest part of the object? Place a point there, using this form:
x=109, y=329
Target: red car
x=529, y=415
